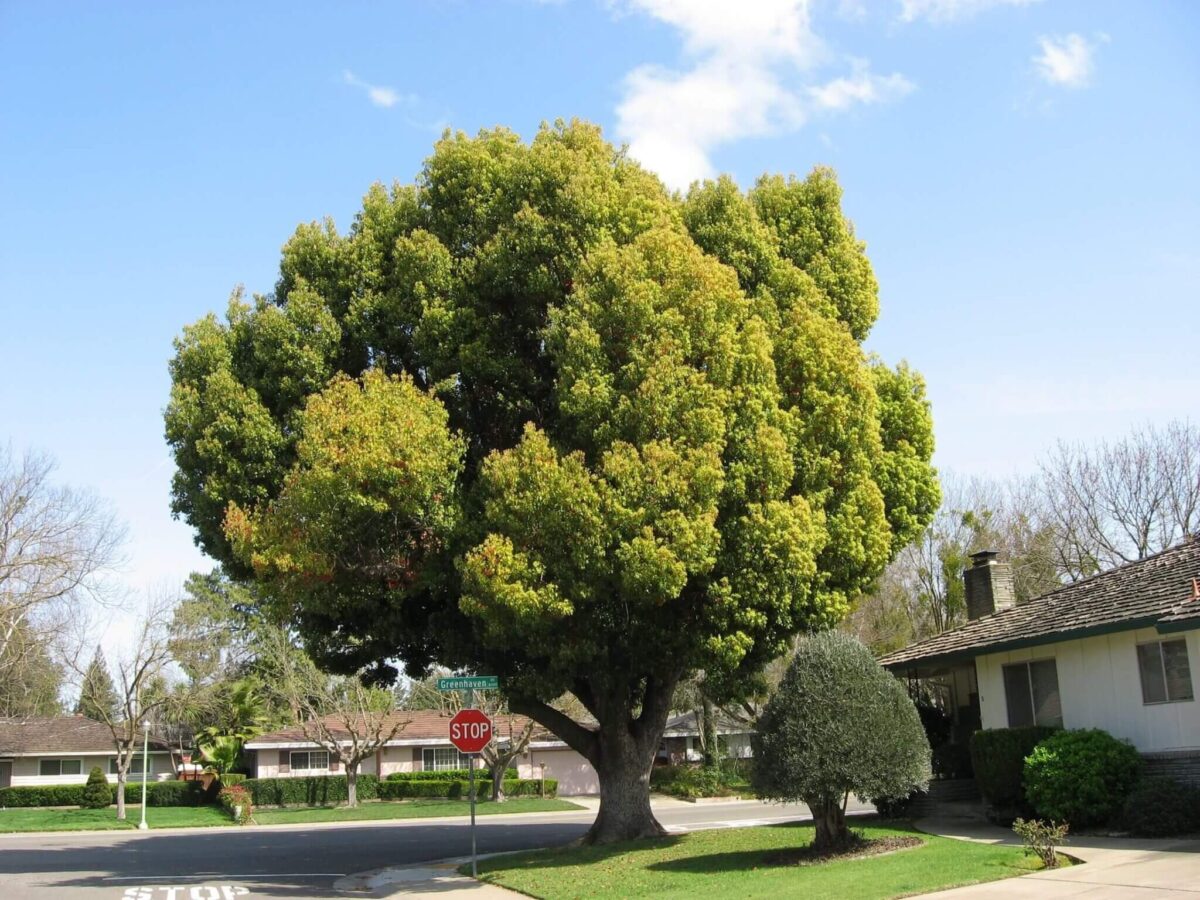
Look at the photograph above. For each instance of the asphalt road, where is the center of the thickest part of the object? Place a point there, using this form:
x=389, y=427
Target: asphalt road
x=292, y=861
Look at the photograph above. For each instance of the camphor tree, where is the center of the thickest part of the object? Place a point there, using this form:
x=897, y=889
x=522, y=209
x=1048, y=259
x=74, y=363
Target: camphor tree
x=838, y=724
x=537, y=417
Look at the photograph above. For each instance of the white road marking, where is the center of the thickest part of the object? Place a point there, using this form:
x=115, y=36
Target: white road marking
x=201, y=875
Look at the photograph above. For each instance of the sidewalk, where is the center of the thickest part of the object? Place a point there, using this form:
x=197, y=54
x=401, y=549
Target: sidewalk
x=1133, y=868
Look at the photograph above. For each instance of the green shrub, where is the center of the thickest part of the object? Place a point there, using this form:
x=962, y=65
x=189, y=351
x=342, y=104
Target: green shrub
x=1082, y=777
x=689, y=782
x=459, y=789
x=318, y=790
x=838, y=724
x=448, y=775
x=97, y=793
x=42, y=795
x=1160, y=807
x=1041, y=839
x=998, y=758
x=229, y=779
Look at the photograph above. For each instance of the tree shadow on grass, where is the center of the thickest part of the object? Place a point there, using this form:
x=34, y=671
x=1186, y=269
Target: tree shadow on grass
x=575, y=855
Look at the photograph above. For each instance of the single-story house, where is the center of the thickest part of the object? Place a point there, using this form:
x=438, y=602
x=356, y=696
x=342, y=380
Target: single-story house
x=63, y=750
x=423, y=744
x=681, y=739
x=1116, y=651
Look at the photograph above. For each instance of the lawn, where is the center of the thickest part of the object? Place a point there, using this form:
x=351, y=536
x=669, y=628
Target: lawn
x=733, y=863
x=405, y=809
x=106, y=819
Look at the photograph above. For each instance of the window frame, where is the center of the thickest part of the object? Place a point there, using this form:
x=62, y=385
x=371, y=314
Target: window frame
x=135, y=765
x=60, y=760
x=1162, y=671
x=461, y=761
x=1027, y=666
x=309, y=754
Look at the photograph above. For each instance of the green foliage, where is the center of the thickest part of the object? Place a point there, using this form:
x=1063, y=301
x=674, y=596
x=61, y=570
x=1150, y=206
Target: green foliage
x=536, y=416
x=97, y=793
x=1041, y=839
x=1081, y=777
x=318, y=790
x=158, y=793
x=459, y=788
x=229, y=779
x=689, y=782
x=1161, y=807
x=998, y=758
x=97, y=696
x=838, y=724
x=447, y=774
x=221, y=753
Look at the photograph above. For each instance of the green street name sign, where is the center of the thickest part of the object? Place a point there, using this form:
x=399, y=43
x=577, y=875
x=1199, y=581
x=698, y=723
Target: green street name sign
x=469, y=683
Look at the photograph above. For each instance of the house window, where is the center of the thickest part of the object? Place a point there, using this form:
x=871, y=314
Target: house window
x=135, y=766
x=443, y=759
x=55, y=767
x=1031, y=690
x=308, y=759
x=1166, y=677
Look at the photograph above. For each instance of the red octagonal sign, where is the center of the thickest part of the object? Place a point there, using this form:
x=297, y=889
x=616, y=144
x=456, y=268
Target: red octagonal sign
x=470, y=730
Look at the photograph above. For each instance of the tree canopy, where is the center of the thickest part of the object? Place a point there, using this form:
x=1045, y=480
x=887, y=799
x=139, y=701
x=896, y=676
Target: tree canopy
x=535, y=415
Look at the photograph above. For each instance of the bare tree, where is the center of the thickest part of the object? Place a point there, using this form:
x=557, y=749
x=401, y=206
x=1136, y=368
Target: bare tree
x=1124, y=500
x=510, y=738
x=346, y=718
x=56, y=544
x=142, y=690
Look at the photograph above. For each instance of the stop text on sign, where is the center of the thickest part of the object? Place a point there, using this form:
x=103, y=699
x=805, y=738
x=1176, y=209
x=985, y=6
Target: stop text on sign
x=470, y=730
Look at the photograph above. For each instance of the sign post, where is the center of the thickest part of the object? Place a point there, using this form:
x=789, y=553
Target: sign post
x=470, y=732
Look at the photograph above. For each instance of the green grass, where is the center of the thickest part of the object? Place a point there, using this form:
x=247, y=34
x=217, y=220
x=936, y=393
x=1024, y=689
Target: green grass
x=730, y=863
x=405, y=809
x=106, y=819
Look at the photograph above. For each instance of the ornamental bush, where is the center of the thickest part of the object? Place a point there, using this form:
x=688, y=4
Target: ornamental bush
x=318, y=790
x=1082, y=777
x=448, y=775
x=97, y=793
x=236, y=801
x=998, y=758
x=838, y=724
x=1159, y=807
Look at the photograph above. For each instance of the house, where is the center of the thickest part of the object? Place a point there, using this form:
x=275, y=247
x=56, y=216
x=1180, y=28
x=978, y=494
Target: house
x=423, y=745
x=681, y=738
x=1117, y=651
x=63, y=750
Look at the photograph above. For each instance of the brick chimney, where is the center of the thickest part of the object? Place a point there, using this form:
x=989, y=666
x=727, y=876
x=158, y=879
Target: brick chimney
x=989, y=584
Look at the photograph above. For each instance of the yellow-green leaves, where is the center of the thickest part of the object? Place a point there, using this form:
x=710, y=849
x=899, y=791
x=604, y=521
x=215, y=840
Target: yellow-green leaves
x=372, y=493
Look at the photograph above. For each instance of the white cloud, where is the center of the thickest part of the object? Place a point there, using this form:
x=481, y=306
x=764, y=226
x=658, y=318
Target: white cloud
x=750, y=73
x=861, y=87
x=1067, y=61
x=379, y=95
x=939, y=11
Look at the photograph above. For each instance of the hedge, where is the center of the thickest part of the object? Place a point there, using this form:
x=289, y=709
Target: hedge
x=457, y=788
x=318, y=790
x=158, y=793
x=1162, y=807
x=447, y=775
x=998, y=757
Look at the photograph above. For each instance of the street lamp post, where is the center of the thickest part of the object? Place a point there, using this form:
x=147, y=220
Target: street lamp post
x=142, y=826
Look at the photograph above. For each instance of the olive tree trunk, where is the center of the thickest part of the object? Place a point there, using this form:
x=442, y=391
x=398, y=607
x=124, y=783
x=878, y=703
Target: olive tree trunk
x=829, y=817
x=352, y=783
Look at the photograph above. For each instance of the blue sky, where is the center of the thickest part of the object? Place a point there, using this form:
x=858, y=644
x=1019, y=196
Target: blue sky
x=1024, y=173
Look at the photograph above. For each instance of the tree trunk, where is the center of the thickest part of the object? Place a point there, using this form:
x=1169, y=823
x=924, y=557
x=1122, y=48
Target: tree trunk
x=625, y=812
x=352, y=783
x=710, y=736
x=121, y=781
x=829, y=817
x=498, y=783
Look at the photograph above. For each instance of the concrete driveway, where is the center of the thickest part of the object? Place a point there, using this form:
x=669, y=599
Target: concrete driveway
x=1127, y=868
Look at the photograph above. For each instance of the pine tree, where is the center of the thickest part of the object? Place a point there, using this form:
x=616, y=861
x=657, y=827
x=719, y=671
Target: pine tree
x=97, y=793
x=97, y=695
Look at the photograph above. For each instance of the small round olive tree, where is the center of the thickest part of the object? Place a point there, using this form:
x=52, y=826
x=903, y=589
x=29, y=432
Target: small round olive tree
x=838, y=724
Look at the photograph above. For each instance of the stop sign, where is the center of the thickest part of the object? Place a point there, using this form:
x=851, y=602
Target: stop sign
x=470, y=730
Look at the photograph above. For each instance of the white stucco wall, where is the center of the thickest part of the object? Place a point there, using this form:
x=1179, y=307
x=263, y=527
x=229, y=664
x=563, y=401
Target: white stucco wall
x=574, y=774
x=25, y=769
x=1100, y=687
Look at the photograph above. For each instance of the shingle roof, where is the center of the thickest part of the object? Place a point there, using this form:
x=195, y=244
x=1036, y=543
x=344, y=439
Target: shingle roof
x=56, y=735
x=429, y=725
x=1156, y=591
